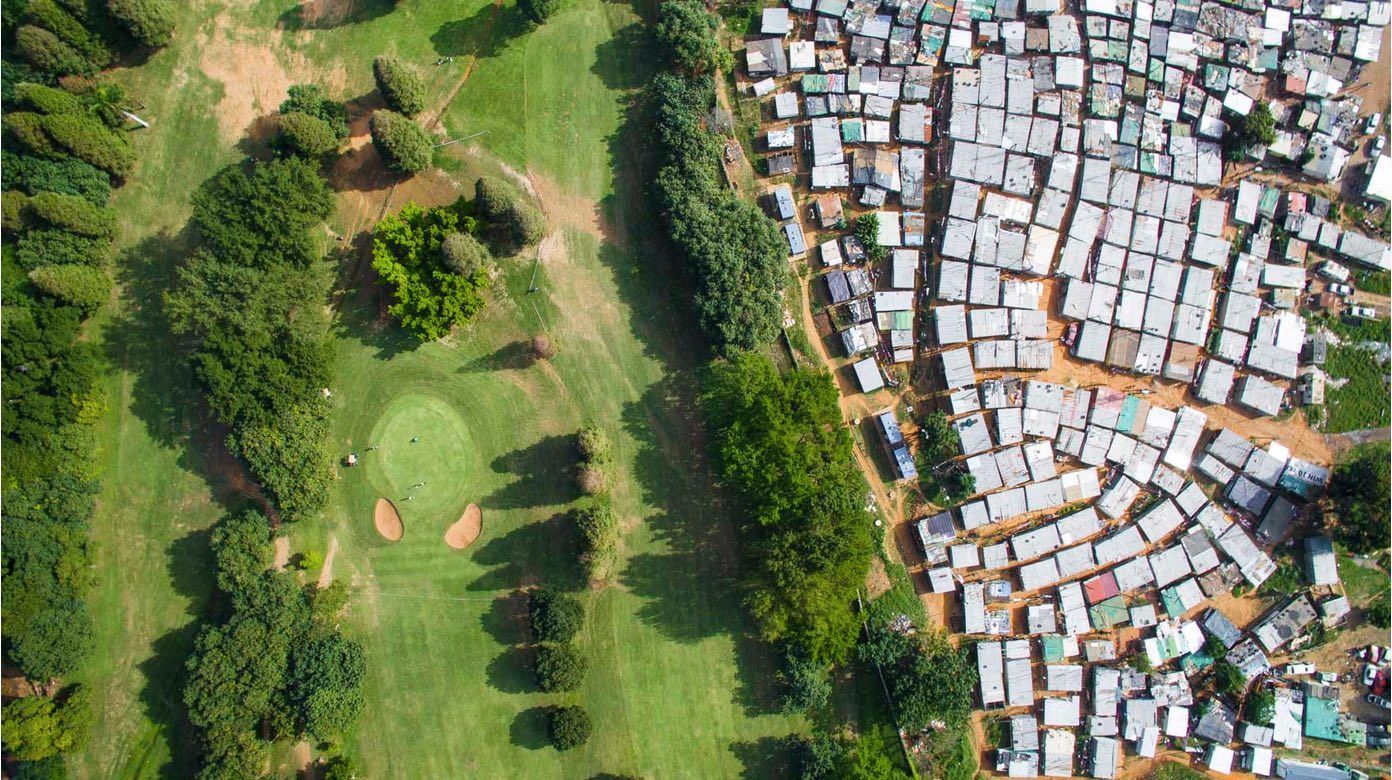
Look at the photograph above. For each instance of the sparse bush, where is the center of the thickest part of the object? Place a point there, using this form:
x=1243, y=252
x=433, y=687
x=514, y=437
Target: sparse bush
x=403, y=144
x=464, y=254
x=590, y=480
x=570, y=727
x=149, y=22
x=559, y=667
x=305, y=135
x=543, y=347
x=82, y=286
x=400, y=84
x=555, y=616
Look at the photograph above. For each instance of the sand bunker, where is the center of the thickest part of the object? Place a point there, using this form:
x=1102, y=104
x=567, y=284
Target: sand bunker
x=387, y=520
x=466, y=529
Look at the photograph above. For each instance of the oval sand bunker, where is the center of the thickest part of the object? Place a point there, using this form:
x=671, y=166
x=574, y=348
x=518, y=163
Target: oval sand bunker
x=387, y=520
x=466, y=529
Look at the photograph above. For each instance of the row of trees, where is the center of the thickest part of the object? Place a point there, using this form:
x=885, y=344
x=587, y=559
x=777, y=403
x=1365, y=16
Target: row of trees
x=62, y=148
x=780, y=443
x=56, y=38
x=249, y=302
x=735, y=253
x=272, y=664
x=556, y=619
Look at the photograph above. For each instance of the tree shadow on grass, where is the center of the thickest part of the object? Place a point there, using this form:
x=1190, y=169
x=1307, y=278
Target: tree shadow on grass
x=529, y=728
x=766, y=757
x=538, y=551
x=511, y=671
x=189, y=563
x=514, y=356
x=328, y=14
x=543, y=475
x=622, y=62
x=506, y=620
x=487, y=33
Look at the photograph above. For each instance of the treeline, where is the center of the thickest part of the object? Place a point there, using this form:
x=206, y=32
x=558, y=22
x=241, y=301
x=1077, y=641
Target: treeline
x=734, y=252
x=64, y=150
x=272, y=664
x=780, y=443
x=250, y=301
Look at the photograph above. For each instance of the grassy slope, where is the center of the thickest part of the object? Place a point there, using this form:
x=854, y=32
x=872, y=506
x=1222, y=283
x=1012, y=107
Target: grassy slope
x=670, y=687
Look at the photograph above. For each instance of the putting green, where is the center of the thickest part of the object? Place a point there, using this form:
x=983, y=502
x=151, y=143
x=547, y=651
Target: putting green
x=443, y=458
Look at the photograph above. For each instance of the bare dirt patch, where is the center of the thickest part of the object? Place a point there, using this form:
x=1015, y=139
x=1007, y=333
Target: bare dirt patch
x=565, y=210
x=282, y=552
x=387, y=520
x=254, y=75
x=466, y=529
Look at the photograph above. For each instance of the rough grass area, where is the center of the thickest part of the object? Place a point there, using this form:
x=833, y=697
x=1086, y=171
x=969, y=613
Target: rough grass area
x=1361, y=401
x=1168, y=770
x=1361, y=583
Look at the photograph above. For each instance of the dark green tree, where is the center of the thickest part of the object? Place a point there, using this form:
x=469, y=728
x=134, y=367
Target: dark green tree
x=401, y=84
x=555, y=616
x=569, y=727
x=311, y=99
x=807, y=687
x=326, y=678
x=304, y=134
x=1357, y=510
x=82, y=286
x=403, y=144
x=687, y=32
x=559, y=667
x=149, y=22
x=538, y=11
x=936, y=685
x=464, y=254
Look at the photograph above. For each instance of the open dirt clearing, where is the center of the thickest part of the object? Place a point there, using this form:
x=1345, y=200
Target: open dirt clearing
x=326, y=573
x=387, y=520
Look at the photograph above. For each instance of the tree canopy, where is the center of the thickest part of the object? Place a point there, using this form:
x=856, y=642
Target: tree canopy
x=403, y=144
x=400, y=83
x=687, y=32
x=1358, y=497
x=781, y=445
x=429, y=297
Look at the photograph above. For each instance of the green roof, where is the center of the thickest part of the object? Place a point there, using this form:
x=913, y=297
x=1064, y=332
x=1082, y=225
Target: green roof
x=1053, y=648
x=1109, y=613
x=1127, y=418
x=1323, y=721
x=1195, y=661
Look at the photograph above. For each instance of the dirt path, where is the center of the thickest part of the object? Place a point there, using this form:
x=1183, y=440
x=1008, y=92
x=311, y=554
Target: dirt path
x=282, y=552
x=302, y=760
x=326, y=573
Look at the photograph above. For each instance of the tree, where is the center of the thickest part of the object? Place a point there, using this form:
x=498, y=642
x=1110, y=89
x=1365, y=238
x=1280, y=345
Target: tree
x=1379, y=610
x=48, y=54
x=569, y=727
x=305, y=135
x=428, y=297
x=68, y=176
x=74, y=214
x=56, y=19
x=493, y=198
x=538, y=11
x=555, y=616
x=1357, y=504
x=1228, y=679
x=38, y=728
x=89, y=139
x=594, y=445
x=47, y=100
x=150, y=22
x=936, y=685
x=525, y=224
x=55, y=641
x=260, y=216
x=807, y=688
x=241, y=546
x=325, y=684
x=598, y=526
x=340, y=768
x=311, y=99
x=867, y=230
x=401, y=85
x=1261, y=707
x=688, y=33
x=1215, y=648
x=82, y=286
x=463, y=254
x=403, y=144
x=559, y=667
x=44, y=246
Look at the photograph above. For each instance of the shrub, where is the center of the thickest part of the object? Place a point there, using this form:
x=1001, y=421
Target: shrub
x=590, y=480
x=1261, y=707
x=59, y=247
x=87, y=139
x=47, y=53
x=559, y=667
x=493, y=198
x=543, y=347
x=305, y=135
x=807, y=687
x=313, y=100
x=526, y=224
x=74, y=214
x=1358, y=494
x=464, y=254
x=403, y=144
x=538, y=11
x=1228, y=678
x=594, y=444
x=68, y=176
x=47, y=100
x=570, y=727
x=599, y=536
x=400, y=84
x=15, y=206
x=48, y=14
x=1379, y=611
x=555, y=616
x=82, y=286
x=149, y=22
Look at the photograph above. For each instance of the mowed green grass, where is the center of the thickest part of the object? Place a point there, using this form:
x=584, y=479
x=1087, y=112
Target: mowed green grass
x=673, y=686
